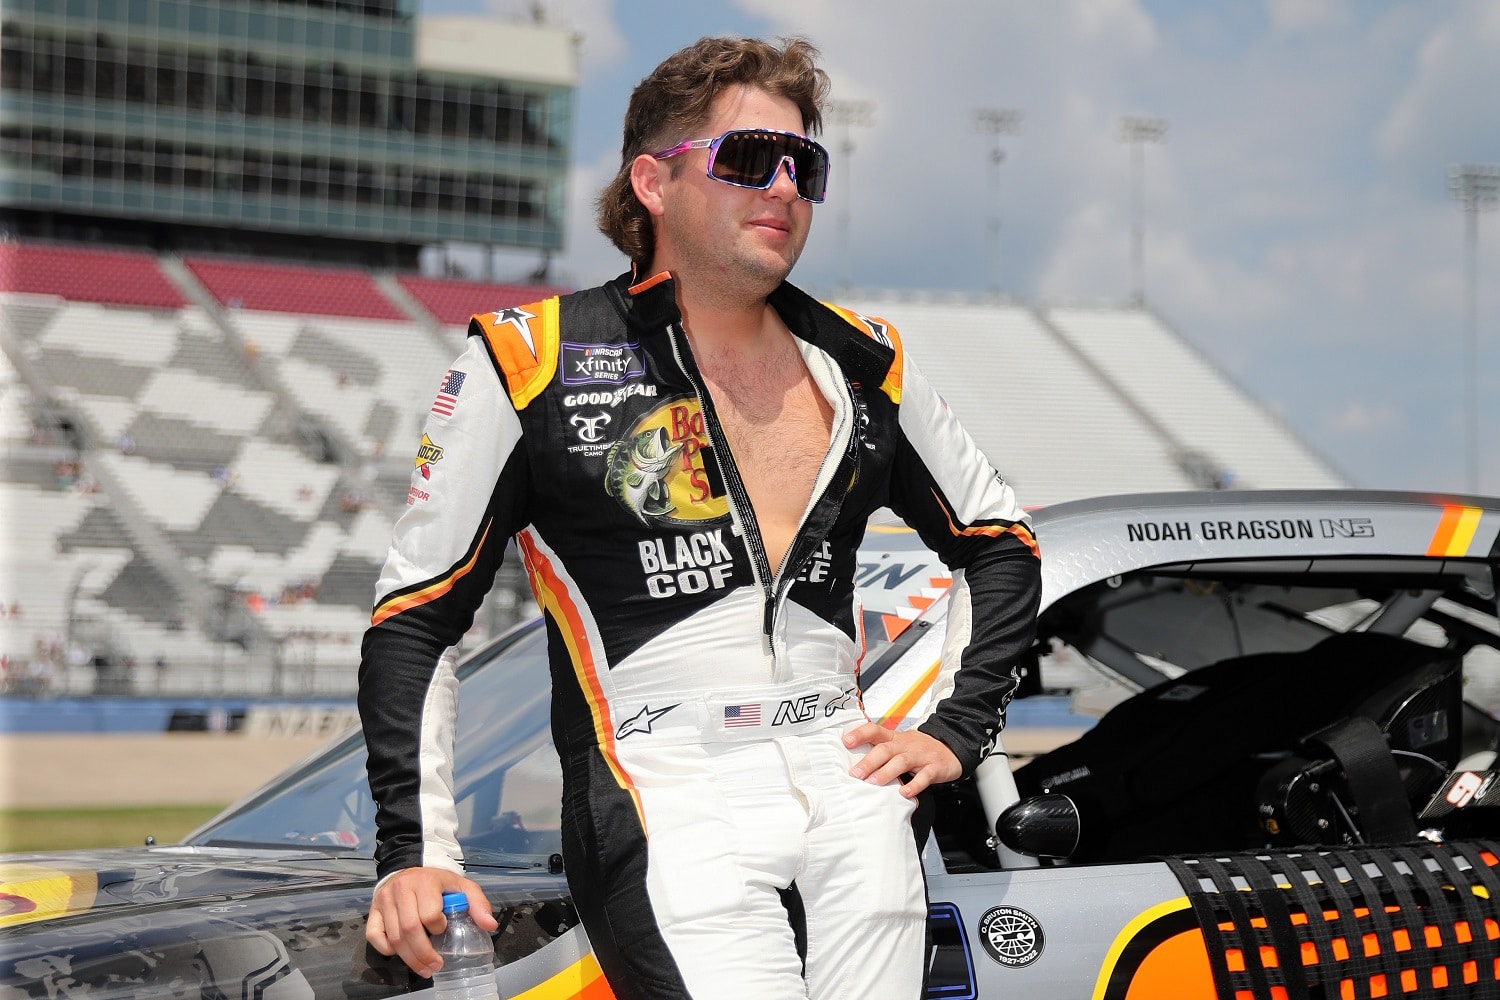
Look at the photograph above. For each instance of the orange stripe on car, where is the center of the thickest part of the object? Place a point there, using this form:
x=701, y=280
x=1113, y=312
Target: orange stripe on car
x=910, y=697
x=1455, y=531
x=431, y=592
x=552, y=595
x=1169, y=969
x=583, y=980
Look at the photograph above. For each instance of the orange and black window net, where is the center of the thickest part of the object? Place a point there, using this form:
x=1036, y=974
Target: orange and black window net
x=1418, y=922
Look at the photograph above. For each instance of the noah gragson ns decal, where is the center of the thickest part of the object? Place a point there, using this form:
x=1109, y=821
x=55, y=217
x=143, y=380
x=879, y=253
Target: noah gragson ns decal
x=1272, y=528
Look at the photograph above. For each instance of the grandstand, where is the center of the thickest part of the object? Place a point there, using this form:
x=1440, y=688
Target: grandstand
x=203, y=461
x=203, y=464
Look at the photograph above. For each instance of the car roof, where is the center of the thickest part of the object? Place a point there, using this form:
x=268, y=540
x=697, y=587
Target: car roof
x=1086, y=541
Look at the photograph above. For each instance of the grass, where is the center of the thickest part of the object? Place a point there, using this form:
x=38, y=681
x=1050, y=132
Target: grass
x=72, y=829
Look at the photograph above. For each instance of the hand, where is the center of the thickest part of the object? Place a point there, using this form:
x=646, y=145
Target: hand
x=408, y=908
x=927, y=759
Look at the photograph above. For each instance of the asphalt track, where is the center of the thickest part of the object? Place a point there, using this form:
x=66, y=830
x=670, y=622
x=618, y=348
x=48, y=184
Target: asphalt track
x=53, y=770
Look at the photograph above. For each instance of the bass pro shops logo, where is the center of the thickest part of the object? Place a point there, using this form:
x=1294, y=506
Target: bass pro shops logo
x=662, y=470
x=428, y=455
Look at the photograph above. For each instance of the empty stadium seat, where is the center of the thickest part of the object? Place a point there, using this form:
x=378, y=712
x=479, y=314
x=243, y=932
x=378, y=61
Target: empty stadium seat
x=82, y=274
x=287, y=288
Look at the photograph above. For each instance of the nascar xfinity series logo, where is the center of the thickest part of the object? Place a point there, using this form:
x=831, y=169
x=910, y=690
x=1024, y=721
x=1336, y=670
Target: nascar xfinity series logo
x=594, y=364
x=658, y=471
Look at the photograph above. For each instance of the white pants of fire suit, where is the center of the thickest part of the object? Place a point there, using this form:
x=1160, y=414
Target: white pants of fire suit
x=728, y=824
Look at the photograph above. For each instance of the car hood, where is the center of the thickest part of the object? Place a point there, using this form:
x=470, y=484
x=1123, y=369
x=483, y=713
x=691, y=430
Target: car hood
x=48, y=886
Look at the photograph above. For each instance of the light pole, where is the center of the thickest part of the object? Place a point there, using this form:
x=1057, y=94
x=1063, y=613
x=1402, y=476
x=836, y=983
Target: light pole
x=1138, y=132
x=847, y=115
x=1477, y=187
x=996, y=122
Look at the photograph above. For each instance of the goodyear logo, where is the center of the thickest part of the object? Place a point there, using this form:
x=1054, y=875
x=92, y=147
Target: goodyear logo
x=662, y=469
x=428, y=453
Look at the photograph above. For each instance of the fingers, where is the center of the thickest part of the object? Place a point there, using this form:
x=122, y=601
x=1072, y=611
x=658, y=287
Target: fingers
x=479, y=906
x=927, y=760
x=407, y=909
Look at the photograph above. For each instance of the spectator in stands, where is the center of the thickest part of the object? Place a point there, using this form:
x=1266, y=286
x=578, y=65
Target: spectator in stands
x=692, y=528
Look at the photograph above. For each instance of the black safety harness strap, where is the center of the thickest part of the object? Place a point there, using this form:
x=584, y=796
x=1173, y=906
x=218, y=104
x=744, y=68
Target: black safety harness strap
x=1364, y=755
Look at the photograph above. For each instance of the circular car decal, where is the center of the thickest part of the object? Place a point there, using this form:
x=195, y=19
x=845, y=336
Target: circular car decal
x=1011, y=936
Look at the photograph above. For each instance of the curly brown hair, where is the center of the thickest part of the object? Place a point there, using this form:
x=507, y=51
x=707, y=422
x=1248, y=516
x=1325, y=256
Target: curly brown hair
x=676, y=99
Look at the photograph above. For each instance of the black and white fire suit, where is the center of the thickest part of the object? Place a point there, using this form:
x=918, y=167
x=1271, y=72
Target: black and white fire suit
x=699, y=698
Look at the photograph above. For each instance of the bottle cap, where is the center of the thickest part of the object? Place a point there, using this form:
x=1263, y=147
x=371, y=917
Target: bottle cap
x=455, y=902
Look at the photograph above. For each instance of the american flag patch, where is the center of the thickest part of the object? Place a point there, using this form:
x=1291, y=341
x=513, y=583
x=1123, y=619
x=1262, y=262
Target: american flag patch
x=447, y=397
x=742, y=716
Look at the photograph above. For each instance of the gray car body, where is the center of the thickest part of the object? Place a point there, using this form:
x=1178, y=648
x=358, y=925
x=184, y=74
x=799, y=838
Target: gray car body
x=202, y=920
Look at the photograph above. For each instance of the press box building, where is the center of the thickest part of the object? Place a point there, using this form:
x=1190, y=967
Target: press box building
x=349, y=130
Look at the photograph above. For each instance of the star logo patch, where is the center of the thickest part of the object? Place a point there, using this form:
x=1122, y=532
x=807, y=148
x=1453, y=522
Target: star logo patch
x=517, y=317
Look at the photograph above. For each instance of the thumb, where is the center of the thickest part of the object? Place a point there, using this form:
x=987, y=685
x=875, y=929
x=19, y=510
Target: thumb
x=479, y=909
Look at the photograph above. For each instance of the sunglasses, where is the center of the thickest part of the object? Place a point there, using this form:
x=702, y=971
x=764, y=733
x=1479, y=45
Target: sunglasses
x=752, y=157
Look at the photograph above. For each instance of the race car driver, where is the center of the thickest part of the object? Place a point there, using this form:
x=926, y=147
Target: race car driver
x=687, y=457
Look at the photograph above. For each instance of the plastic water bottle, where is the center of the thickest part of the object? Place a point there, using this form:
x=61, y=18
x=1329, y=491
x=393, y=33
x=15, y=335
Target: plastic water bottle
x=468, y=971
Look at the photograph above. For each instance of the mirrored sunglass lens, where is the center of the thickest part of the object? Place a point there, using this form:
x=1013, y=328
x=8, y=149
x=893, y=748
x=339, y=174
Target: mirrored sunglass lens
x=751, y=159
x=812, y=172
x=748, y=157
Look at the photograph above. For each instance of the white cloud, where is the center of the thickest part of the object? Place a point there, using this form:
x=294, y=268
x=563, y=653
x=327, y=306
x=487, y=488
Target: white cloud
x=1362, y=416
x=601, y=42
x=1291, y=17
x=1456, y=75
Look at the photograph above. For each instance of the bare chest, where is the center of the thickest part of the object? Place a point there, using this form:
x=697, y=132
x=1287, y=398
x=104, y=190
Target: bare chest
x=777, y=430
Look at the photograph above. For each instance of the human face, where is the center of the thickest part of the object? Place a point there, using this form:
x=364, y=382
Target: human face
x=740, y=242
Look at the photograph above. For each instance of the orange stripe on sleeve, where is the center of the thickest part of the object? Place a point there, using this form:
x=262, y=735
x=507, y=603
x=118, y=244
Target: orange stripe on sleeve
x=396, y=605
x=993, y=530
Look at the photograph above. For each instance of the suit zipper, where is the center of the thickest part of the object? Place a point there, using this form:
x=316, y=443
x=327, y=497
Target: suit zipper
x=739, y=499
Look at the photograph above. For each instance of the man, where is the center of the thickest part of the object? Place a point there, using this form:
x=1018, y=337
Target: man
x=687, y=457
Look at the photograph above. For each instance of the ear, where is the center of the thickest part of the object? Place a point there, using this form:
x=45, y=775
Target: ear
x=648, y=176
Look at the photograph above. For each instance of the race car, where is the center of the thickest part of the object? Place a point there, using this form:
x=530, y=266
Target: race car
x=1252, y=756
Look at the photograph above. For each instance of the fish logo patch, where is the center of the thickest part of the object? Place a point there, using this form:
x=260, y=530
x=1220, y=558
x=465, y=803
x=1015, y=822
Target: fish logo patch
x=663, y=470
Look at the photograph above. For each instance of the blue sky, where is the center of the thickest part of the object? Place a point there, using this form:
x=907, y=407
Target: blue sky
x=1299, y=227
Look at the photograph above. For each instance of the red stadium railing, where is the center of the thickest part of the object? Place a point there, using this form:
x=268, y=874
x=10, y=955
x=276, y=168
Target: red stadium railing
x=317, y=291
x=81, y=274
x=452, y=302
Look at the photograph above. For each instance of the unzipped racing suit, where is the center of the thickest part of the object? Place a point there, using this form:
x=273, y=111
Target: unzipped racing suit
x=699, y=698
